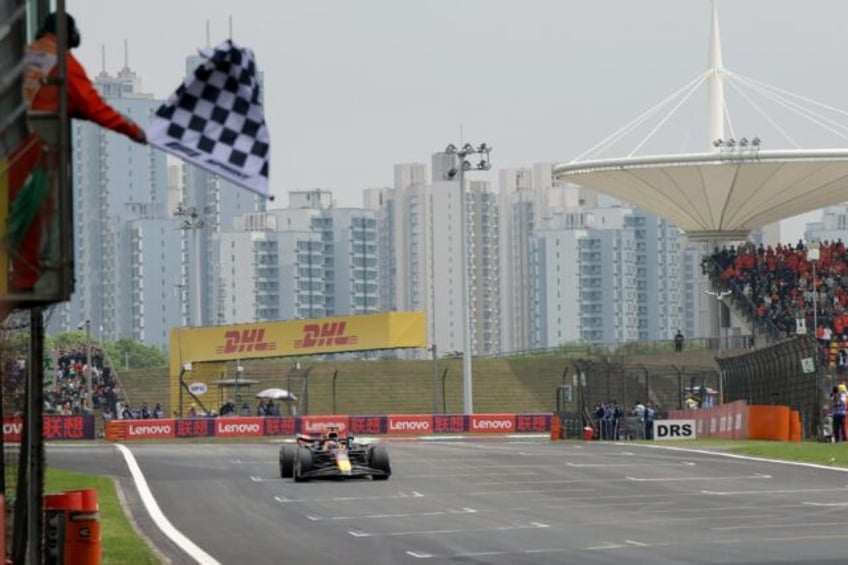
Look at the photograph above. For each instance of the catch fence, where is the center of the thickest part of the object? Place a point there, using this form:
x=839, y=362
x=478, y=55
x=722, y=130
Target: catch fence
x=790, y=373
x=665, y=387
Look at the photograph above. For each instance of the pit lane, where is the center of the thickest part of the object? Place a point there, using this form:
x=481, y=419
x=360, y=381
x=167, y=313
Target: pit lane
x=492, y=501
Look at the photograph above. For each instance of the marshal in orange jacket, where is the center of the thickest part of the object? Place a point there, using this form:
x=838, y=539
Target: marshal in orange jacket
x=84, y=102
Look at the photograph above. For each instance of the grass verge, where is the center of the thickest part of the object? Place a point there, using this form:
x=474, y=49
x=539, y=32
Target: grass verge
x=834, y=454
x=121, y=544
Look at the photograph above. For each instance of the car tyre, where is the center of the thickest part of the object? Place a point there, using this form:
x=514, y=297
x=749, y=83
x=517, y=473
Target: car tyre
x=287, y=453
x=378, y=458
x=302, y=464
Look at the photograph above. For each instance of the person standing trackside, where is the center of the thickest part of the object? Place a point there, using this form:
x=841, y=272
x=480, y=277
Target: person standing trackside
x=678, y=341
x=839, y=404
x=41, y=94
x=650, y=415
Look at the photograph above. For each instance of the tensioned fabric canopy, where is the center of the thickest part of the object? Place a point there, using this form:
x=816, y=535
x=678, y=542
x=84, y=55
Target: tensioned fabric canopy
x=724, y=194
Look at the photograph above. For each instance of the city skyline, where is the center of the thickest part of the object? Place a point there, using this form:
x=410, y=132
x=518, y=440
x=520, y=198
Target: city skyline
x=354, y=89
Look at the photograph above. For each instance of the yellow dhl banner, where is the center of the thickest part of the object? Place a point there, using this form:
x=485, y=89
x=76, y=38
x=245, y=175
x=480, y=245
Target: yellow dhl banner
x=337, y=334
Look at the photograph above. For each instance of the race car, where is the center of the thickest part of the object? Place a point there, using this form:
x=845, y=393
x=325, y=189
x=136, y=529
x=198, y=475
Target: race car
x=333, y=456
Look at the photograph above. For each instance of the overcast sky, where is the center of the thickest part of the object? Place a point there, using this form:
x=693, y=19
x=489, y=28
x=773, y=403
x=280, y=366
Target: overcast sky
x=356, y=86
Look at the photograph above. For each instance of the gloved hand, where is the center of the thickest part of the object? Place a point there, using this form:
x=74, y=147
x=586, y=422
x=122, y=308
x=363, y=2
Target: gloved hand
x=139, y=136
x=137, y=133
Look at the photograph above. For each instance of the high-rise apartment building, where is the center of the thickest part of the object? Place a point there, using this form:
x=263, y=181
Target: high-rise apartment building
x=587, y=277
x=307, y=261
x=608, y=274
x=696, y=304
x=658, y=276
x=528, y=198
x=403, y=227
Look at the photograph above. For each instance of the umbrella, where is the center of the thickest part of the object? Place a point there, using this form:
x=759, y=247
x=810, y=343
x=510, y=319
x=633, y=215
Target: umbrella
x=276, y=394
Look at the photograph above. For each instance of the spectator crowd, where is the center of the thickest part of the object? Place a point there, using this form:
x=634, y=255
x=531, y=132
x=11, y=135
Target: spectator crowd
x=779, y=286
x=72, y=384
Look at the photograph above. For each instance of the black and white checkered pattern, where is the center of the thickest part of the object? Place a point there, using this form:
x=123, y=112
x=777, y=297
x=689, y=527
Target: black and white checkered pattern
x=215, y=119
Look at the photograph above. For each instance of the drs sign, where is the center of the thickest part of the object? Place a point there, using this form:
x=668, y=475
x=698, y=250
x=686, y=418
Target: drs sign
x=674, y=429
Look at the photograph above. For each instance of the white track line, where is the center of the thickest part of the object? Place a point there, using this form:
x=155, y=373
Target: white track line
x=156, y=513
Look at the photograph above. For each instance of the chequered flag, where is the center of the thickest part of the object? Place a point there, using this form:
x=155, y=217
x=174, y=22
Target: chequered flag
x=215, y=119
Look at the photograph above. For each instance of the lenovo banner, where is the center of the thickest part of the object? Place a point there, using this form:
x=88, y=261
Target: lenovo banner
x=318, y=424
x=238, y=427
x=280, y=426
x=453, y=424
x=492, y=423
x=55, y=428
x=150, y=429
x=540, y=423
x=288, y=426
x=367, y=425
x=406, y=424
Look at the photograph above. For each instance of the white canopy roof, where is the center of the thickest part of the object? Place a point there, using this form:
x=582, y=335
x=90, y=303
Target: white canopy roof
x=720, y=195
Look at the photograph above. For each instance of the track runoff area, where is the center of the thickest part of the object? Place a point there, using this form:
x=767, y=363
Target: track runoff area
x=498, y=500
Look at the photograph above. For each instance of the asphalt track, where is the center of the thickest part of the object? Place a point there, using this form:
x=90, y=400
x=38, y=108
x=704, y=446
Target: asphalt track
x=493, y=501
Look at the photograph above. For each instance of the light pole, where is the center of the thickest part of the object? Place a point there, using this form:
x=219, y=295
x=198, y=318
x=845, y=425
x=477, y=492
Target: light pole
x=720, y=294
x=193, y=220
x=461, y=167
x=435, y=377
x=813, y=257
x=88, y=362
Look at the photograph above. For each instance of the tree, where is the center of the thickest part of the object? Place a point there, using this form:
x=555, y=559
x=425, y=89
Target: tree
x=130, y=354
x=67, y=340
x=19, y=342
x=122, y=353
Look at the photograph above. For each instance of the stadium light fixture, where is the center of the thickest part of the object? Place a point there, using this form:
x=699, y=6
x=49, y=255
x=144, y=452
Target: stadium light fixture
x=464, y=165
x=193, y=219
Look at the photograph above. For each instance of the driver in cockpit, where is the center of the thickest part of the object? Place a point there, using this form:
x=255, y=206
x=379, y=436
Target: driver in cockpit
x=331, y=441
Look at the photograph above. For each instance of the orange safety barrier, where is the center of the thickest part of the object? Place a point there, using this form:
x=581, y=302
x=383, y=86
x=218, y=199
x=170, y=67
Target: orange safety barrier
x=72, y=528
x=735, y=420
x=795, y=426
x=56, y=509
x=768, y=422
x=82, y=538
x=556, y=428
x=116, y=430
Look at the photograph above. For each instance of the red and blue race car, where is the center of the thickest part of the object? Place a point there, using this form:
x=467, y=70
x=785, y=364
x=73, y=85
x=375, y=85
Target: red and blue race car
x=333, y=456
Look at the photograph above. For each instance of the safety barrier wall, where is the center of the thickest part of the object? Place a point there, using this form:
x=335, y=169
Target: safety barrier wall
x=728, y=421
x=390, y=424
x=56, y=427
x=737, y=420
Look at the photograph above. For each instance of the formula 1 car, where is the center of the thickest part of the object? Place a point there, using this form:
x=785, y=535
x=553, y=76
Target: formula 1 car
x=333, y=456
